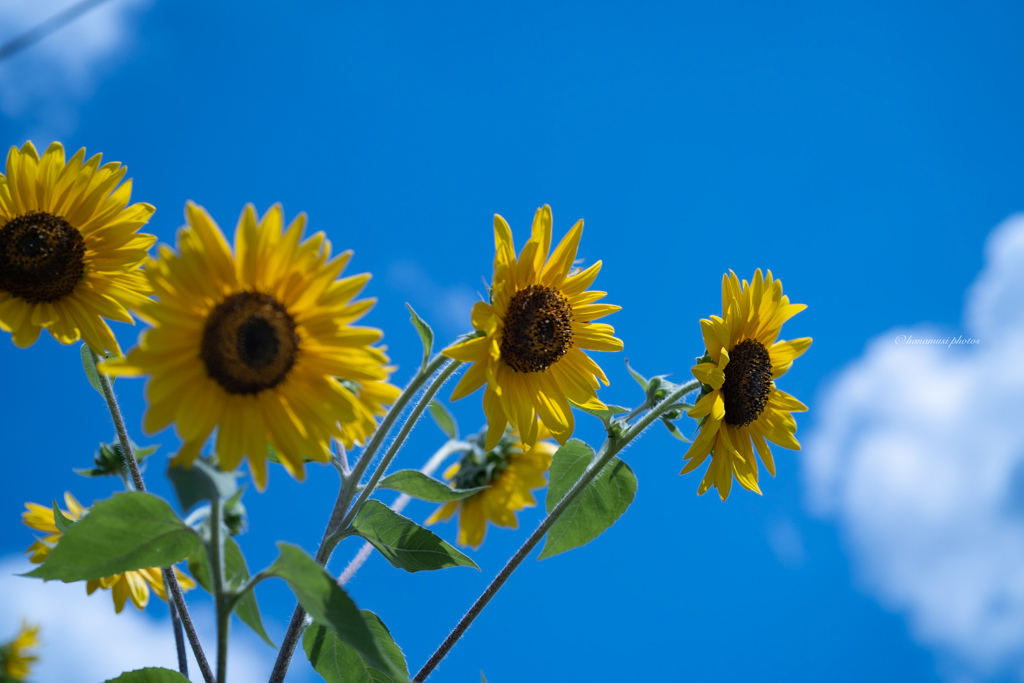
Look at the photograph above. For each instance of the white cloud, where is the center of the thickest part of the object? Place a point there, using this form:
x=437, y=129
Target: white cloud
x=445, y=306
x=919, y=454
x=42, y=85
x=84, y=640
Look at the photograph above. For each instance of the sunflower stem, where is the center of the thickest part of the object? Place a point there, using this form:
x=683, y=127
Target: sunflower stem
x=636, y=411
x=215, y=551
x=611, y=446
x=396, y=445
x=179, y=638
x=171, y=580
x=349, y=488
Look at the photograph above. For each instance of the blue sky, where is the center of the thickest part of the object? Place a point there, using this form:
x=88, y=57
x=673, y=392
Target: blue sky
x=862, y=151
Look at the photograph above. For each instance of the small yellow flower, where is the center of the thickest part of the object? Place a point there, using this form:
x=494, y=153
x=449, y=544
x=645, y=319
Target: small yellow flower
x=533, y=332
x=510, y=475
x=258, y=344
x=15, y=662
x=70, y=249
x=133, y=584
x=741, y=402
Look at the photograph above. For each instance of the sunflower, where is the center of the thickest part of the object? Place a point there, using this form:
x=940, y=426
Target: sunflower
x=15, y=662
x=740, y=403
x=259, y=344
x=510, y=474
x=134, y=584
x=531, y=336
x=69, y=248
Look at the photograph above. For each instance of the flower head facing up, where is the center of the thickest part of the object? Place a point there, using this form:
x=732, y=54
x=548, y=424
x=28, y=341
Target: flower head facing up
x=69, y=247
x=134, y=584
x=740, y=403
x=258, y=344
x=15, y=660
x=532, y=333
x=509, y=473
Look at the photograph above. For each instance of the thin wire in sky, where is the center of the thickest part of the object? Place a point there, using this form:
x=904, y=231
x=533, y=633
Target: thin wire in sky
x=59, y=20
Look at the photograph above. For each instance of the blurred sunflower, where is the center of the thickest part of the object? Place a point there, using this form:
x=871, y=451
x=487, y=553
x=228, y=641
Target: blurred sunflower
x=69, y=248
x=740, y=403
x=532, y=333
x=508, y=472
x=15, y=661
x=259, y=344
x=134, y=584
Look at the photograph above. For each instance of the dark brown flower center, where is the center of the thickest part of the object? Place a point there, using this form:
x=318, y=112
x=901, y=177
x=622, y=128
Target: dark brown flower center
x=249, y=343
x=538, y=329
x=748, y=381
x=42, y=257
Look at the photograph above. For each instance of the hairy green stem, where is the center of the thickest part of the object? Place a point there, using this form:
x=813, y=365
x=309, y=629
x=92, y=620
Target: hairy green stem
x=396, y=445
x=611, y=446
x=170, y=579
x=215, y=551
x=348, y=487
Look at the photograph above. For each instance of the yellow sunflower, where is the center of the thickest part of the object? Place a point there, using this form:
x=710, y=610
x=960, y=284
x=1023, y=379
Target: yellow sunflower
x=15, y=661
x=69, y=247
x=510, y=474
x=259, y=344
x=133, y=584
x=531, y=336
x=740, y=403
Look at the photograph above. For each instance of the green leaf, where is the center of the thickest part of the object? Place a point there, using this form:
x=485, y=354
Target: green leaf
x=337, y=662
x=640, y=379
x=403, y=542
x=606, y=415
x=91, y=373
x=236, y=575
x=596, y=508
x=482, y=678
x=329, y=604
x=131, y=530
x=200, y=481
x=62, y=523
x=674, y=431
x=443, y=418
x=419, y=485
x=149, y=675
x=426, y=335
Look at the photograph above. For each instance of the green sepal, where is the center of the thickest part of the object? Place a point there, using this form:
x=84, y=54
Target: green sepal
x=596, y=507
x=422, y=487
x=235, y=516
x=607, y=415
x=133, y=530
x=273, y=456
x=338, y=662
x=91, y=373
x=150, y=674
x=59, y=520
x=109, y=461
x=403, y=542
x=236, y=575
x=329, y=604
x=200, y=481
x=426, y=335
x=640, y=379
x=443, y=418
